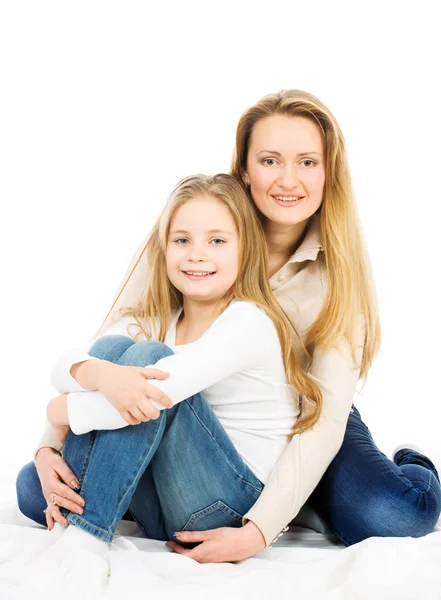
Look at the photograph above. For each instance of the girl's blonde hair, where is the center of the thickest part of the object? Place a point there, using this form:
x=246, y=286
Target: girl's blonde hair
x=351, y=291
x=153, y=312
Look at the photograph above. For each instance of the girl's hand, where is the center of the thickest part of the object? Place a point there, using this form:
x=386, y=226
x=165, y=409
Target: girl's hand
x=127, y=388
x=57, y=478
x=226, y=544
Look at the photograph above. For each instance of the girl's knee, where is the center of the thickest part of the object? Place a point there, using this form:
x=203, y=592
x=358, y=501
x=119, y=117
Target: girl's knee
x=110, y=347
x=147, y=352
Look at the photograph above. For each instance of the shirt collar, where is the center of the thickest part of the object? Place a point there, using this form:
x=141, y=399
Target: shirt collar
x=312, y=243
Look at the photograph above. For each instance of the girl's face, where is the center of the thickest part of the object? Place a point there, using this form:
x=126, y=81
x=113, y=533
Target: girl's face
x=285, y=168
x=203, y=249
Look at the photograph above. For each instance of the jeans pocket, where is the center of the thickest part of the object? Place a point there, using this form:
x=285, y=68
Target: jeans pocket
x=213, y=516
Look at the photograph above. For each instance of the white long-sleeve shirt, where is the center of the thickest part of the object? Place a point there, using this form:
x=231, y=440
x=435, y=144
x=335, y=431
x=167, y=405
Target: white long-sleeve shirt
x=238, y=365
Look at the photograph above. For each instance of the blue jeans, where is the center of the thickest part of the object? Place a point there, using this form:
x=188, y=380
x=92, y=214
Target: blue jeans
x=362, y=494
x=365, y=494
x=178, y=472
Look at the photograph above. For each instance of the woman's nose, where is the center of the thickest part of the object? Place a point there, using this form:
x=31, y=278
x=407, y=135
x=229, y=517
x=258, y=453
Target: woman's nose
x=289, y=178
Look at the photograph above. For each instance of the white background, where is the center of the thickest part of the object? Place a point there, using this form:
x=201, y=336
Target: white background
x=104, y=106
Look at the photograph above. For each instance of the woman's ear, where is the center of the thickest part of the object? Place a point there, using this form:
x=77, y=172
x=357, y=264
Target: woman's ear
x=245, y=179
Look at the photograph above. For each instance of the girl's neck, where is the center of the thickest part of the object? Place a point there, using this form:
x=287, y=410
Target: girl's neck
x=195, y=319
x=282, y=241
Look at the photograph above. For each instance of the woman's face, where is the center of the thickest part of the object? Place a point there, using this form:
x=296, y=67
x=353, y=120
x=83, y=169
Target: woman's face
x=285, y=168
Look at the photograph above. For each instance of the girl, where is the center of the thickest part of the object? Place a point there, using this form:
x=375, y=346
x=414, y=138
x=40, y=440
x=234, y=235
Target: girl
x=290, y=152
x=208, y=318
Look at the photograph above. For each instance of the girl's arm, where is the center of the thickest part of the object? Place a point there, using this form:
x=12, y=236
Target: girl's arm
x=64, y=382
x=57, y=417
x=237, y=340
x=305, y=460
x=62, y=374
x=56, y=411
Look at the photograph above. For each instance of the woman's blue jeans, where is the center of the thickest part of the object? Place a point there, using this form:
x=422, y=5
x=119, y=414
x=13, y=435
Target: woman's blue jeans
x=178, y=472
x=365, y=494
x=181, y=471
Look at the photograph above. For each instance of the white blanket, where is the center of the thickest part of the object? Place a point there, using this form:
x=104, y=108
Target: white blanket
x=302, y=564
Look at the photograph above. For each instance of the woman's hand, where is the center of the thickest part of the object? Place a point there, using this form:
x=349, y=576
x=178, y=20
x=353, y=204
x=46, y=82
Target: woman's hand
x=226, y=544
x=127, y=388
x=57, y=478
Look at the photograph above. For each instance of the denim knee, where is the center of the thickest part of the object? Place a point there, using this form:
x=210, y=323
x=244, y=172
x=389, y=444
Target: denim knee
x=110, y=347
x=413, y=514
x=30, y=498
x=146, y=352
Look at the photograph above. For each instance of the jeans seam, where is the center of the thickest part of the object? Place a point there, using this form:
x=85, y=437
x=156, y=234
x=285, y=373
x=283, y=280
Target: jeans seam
x=86, y=462
x=75, y=520
x=213, y=507
x=223, y=453
x=147, y=457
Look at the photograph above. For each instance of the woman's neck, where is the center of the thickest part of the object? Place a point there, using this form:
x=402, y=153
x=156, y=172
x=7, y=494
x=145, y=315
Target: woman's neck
x=282, y=241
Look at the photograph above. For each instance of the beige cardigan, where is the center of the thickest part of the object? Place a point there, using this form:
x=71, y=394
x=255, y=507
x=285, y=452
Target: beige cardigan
x=300, y=286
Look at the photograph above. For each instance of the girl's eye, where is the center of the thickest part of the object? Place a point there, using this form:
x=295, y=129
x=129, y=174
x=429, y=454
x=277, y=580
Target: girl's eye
x=179, y=240
x=218, y=240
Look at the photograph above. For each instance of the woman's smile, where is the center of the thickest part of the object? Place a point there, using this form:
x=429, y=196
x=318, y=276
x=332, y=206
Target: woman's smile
x=287, y=201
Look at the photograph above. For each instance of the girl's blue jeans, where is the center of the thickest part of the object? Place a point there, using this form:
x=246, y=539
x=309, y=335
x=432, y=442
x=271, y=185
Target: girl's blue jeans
x=181, y=471
x=178, y=472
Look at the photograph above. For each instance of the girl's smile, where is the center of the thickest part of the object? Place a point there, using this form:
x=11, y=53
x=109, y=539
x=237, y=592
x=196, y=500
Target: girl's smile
x=203, y=250
x=198, y=275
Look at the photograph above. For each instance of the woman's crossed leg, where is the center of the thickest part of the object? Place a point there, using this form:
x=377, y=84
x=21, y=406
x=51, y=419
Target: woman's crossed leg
x=365, y=494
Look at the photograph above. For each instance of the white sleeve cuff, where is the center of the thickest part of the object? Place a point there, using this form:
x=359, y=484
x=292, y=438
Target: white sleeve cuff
x=89, y=411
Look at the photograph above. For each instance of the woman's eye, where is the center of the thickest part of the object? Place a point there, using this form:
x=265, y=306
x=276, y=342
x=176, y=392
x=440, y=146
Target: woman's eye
x=269, y=162
x=308, y=160
x=218, y=240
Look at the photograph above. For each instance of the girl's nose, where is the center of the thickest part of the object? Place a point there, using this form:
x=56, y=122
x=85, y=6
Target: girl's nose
x=196, y=254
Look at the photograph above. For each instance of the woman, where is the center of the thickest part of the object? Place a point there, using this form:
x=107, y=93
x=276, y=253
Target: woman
x=290, y=154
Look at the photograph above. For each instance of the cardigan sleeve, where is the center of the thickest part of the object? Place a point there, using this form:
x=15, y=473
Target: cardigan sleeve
x=308, y=455
x=49, y=440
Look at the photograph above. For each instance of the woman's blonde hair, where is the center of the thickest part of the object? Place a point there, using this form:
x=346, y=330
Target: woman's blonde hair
x=351, y=291
x=153, y=312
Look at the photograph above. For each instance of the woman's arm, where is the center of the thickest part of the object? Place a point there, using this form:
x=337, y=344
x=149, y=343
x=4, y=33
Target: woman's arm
x=309, y=454
x=49, y=439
